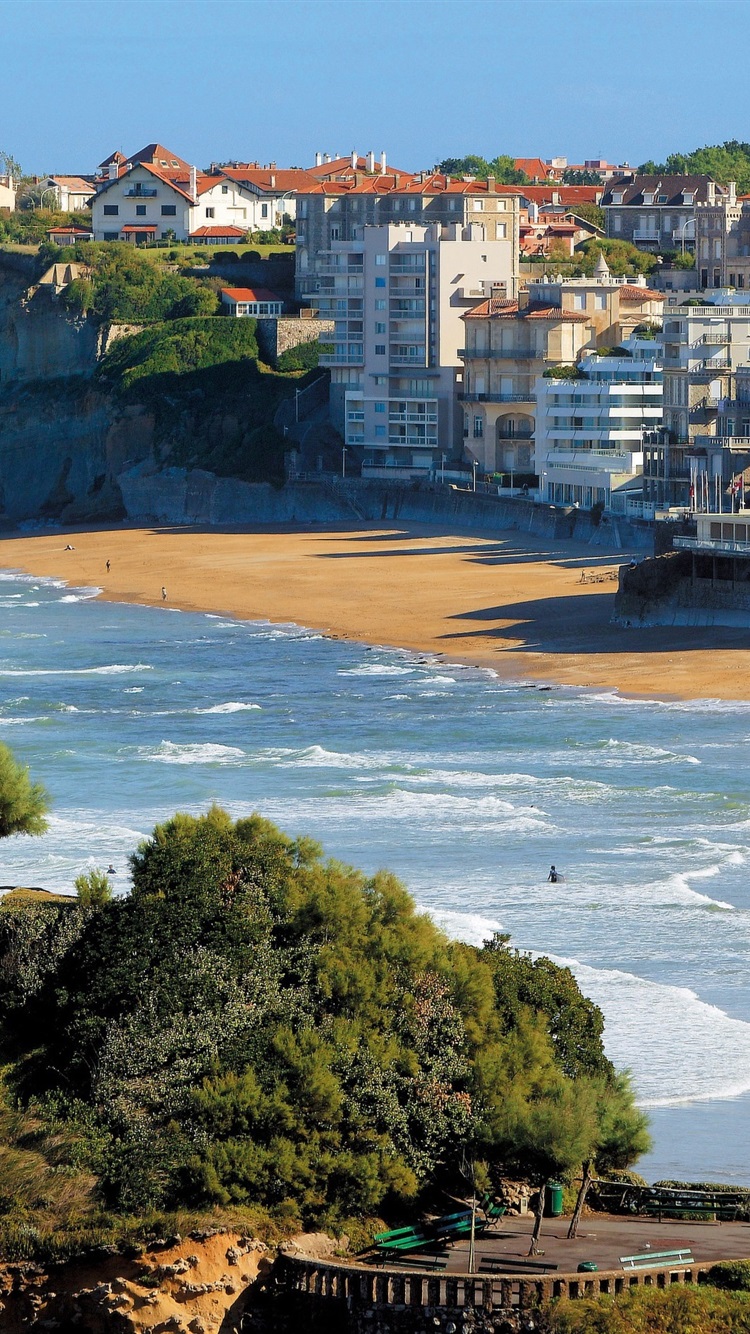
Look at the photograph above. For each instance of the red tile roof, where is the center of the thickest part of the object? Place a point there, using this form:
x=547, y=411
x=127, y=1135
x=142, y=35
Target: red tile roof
x=237, y=232
x=139, y=227
x=342, y=166
x=566, y=194
x=156, y=155
x=533, y=166
x=75, y=183
x=497, y=308
x=393, y=183
x=292, y=178
x=69, y=231
x=249, y=294
x=640, y=294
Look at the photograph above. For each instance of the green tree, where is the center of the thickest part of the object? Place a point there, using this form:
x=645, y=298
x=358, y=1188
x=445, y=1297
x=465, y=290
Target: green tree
x=23, y=804
x=93, y=888
x=621, y=1137
x=590, y=213
x=501, y=167
x=725, y=162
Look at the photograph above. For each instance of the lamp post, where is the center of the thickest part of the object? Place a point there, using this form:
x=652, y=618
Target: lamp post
x=683, y=229
x=442, y=469
x=343, y=461
x=474, y=466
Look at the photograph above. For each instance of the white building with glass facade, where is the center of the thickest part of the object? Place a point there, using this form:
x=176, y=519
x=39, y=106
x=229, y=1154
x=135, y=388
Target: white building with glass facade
x=590, y=432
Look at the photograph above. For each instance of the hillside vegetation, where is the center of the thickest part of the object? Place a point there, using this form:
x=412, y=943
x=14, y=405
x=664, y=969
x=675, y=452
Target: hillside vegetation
x=257, y=1028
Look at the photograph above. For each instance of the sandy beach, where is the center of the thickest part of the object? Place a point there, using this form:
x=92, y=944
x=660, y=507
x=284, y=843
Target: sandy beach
x=511, y=602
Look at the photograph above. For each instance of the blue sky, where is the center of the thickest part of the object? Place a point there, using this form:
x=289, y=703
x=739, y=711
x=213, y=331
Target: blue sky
x=424, y=79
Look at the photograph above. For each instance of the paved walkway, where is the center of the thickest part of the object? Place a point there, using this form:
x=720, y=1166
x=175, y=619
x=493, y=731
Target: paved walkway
x=604, y=1238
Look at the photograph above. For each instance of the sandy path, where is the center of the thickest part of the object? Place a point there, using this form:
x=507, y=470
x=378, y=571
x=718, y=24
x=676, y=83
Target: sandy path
x=514, y=603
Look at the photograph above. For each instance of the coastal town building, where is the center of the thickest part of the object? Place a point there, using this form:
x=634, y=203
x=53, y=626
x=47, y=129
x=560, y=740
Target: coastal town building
x=554, y=233
x=555, y=168
x=722, y=243
x=335, y=168
x=240, y=301
x=396, y=294
x=156, y=195
x=657, y=213
x=67, y=194
x=69, y=235
x=590, y=429
x=555, y=198
x=510, y=343
x=706, y=399
x=334, y=211
x=7, y=193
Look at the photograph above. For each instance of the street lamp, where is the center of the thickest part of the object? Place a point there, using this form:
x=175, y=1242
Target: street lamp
x=442, y=469
x=474, y=465
x=343, y=461
x=683, y=229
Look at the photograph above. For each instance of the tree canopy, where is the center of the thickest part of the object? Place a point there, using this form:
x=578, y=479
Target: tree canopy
x=501, y=167
x=725, y=162
x=23, y=803
x=255, y=1025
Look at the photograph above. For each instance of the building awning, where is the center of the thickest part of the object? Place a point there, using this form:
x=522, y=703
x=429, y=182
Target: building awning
x=140, y=227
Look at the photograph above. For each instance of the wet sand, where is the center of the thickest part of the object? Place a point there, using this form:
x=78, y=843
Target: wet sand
x=511, y=602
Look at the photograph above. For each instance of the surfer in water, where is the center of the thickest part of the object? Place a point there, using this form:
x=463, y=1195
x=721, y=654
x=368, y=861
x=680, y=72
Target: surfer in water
x=553, y=876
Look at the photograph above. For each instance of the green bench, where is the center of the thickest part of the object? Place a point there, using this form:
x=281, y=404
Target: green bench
x=658, y=1259
x=401, y=1240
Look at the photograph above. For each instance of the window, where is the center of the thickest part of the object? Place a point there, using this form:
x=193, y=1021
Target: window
x=169, y=210
x=478, y=428
x=111, y=236
x=617, y=222
x=380, y=304
x=740, y=280
x=579, y=300
x=380, y=328
x=478, y=205
x=501, y=231
x=380, y=282
x=600, y=301
x=111, y=210
x=617, y=196
x=334, y=233
x=209, y=212
x=264, y=210
x=380, y=407
x=140, y=210
x=380, y=430
x=380, y=349
x=225, y=189
x=380, y=259
x=662, y=199
x=412, y=205
x=717, y=249
x=381, y=379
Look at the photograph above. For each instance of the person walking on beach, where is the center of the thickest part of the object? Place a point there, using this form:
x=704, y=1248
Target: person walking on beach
x=163, y=594
x=107, y=567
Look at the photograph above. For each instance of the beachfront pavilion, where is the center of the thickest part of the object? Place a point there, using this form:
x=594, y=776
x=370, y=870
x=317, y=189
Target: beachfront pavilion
x=720, y=558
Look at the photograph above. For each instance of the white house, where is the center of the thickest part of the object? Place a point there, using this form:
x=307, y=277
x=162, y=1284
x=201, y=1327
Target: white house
x=146, y=200
x=7, y=192
x=241, y=301
x=72, y=193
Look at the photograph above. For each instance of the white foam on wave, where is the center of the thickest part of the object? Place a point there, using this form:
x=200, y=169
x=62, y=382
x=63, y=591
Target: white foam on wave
x=680, y=1048
x=82, y=595
x=114, y=669
x=230, y=707
x=471, y=927
x=36, y=580
x=170, y=752
x=376, y=669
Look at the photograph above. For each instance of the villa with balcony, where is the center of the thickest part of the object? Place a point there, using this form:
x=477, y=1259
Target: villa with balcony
x=658, y=213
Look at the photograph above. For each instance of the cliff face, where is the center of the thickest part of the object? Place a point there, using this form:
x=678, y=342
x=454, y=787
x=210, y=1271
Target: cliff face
x=199, y=1284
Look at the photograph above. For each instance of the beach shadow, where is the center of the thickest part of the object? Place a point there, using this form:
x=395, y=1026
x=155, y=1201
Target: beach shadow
x=582, y=624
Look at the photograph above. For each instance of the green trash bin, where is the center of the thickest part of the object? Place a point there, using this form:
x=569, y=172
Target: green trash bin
x=588, y=1267
x=554, y=1199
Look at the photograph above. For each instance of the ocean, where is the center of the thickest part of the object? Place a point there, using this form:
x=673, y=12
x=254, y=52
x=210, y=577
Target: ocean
x=466, y=786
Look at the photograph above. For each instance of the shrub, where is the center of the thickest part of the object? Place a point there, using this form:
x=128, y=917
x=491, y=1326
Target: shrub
x=93, y=888
x=303, y=357
x=732, y=1275
x=564, y=372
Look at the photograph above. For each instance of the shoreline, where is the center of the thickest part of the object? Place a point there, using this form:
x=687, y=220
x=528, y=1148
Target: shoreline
x=509, y=602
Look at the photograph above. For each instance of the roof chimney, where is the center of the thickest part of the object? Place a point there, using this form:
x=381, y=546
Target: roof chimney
x=711, y=191
x=354, y=159
x=382, y=163
x=194, y=184
x=371, y=162
x=273, y=181
x=491, y=185
x=326, y=157
x=318, y=159
x=732, y=188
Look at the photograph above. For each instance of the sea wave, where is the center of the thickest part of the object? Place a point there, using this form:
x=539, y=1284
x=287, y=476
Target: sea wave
x=114, y=669
x=170, y=752
x=230, y=707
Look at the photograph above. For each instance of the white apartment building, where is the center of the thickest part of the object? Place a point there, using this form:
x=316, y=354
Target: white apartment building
x=590, y=431
x=396, y=294
x=7, y=193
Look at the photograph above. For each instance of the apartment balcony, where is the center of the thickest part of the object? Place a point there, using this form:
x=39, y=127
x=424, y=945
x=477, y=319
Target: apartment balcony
x=408, y=289
x=715, y=338
x=140, y=192
x=342, y=359
x=328, y=267
x=417, y=418
x=646, y=236
x=710, y=368
x=501, y=353
x=497, y=398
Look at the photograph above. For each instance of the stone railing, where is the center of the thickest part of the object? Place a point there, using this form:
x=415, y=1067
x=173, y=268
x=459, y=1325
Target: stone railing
x=367, y=1288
